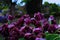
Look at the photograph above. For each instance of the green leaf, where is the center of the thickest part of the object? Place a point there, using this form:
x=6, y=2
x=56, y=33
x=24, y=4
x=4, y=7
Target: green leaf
x=26, y=0
x=51, y=36
x=57, y=38
x=21, y=39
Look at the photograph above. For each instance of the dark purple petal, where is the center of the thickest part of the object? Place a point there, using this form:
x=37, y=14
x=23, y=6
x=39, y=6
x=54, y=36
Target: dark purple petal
x=10, y=17
x=27, y=21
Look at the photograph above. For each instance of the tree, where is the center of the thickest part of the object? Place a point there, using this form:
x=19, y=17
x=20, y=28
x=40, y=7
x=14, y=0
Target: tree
x=53, y=8
x=33, y=6
x=46, y=4
x=45, y=7
x=10, y=4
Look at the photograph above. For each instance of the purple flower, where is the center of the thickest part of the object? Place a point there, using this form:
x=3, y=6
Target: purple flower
x=5, y=26
x=12, y=38
x=51, y=28
x=40, y=39
x=28, y=36
x=27, y=21
x=41, y=15
x=51, y=16
x=33, y=21
x=38, y=24
x=26, y=16
x=21, y=33
x=37, y=17
x=37, y=30
x=0, y=29
x=14, y=32
x=10, y=17
x=26, y=29
x=58, y=26
x=53, y=22
x=46, y=26
x=11, y=26
x=5, y=31
x=20, y=22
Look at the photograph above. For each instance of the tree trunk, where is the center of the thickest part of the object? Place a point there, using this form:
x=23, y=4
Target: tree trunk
x=33, y=7
x=12, y=9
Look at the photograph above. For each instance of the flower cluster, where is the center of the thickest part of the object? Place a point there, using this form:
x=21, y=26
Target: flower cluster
x=23, y=27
